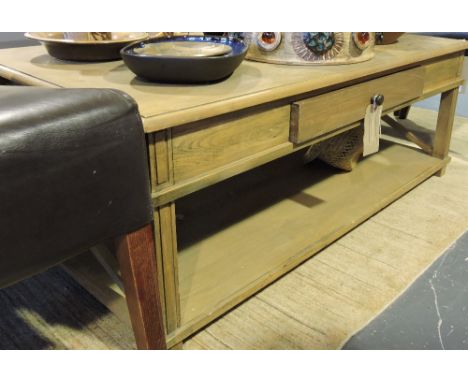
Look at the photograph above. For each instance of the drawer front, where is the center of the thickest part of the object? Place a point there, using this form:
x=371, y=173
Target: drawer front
x=442, y=72
x=313, y=117
x=207, y=145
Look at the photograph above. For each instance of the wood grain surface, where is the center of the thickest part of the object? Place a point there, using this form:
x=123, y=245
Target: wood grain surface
x=253, y=83
x=237, y=237
x=201, y=147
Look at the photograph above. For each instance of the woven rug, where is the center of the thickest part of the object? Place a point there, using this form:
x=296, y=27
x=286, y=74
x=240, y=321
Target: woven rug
x=319, y=305
x=51, y=311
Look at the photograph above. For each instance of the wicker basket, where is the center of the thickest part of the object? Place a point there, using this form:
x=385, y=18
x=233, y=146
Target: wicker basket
x=342, y=151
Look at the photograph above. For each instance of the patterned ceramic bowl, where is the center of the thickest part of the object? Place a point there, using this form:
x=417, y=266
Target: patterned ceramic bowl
x=309, y=48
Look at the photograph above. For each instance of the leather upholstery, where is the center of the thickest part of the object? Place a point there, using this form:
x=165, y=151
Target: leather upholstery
x=73, y=172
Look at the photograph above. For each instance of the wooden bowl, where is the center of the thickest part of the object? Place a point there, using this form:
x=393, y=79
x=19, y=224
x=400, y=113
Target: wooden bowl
x=384, y=38
x=86, y=46
x=178, y=68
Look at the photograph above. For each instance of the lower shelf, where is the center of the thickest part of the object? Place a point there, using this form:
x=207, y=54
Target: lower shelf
x=241, y=234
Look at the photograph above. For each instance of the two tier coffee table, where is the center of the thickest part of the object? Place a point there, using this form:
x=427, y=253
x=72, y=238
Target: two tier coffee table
x=234, y=205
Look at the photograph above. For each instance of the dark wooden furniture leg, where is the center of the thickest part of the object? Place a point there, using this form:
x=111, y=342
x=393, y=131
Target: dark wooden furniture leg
x=136, y=255
x=402, y=113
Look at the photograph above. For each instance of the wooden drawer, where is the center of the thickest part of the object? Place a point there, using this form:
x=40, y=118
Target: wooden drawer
x=201, y=147
x=442, y=72
x=313, y=117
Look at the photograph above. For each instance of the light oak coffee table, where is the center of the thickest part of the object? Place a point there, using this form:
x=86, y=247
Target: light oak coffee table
x=234, y=207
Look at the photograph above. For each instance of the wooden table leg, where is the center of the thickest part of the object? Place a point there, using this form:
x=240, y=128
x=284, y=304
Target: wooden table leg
x=402, y=113
x=136, y=255
x=448, y=103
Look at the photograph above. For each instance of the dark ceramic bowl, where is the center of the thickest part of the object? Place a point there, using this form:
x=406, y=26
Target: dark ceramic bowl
x=86, y=46
x=184, y=69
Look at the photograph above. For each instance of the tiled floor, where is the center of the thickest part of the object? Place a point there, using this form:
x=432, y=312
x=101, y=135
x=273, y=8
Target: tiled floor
x=431, y=314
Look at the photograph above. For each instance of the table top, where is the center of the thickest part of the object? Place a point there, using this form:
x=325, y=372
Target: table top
x=253, y=83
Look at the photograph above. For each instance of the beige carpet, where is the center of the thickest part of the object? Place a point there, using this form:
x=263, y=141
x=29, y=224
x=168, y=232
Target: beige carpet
x=316, y=306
